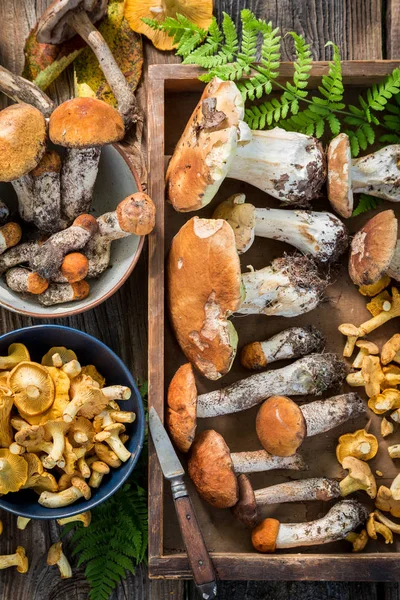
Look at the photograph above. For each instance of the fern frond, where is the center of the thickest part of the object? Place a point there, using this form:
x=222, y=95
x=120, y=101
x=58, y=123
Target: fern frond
x=365, y=204
x=302, y=67
x=186, y=35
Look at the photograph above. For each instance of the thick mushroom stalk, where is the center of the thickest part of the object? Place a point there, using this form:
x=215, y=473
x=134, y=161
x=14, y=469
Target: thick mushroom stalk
x=57, y=557
x=78, y=489
x=311, y=374
x=377, y=174
x=258, y=461
x=303, y=490
x=63, y=19
x=320, y=234
x=19, y=560
x=47, y=191
x=289, y=343
x=22, y=90
x=345, y=516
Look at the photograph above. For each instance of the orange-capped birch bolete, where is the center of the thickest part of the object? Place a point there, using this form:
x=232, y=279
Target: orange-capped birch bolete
x=13, y=471
x=32, y=387
x=47, y=210
x=22, y=145
x=10, y=235
x=19, y=560
x=345, y=516
x=56, y=556
x=198, y=12
x=78, y=489
x=375, y=174
x=74, y=268
x=6, y=404
x=360, y=444
x=217, y=143
x=319, y=234
x=204, y=293
x=312, y=374
x=214, y=469
x=65, y=18
x=22, y=280
x=293, y=342
x=134, y=215
x=57, y=293
x=282, y=425
x=16, y=353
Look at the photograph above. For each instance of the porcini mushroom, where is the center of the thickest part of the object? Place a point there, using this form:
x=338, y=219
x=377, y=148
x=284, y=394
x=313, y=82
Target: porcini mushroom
x=134, y=215
x=22, y=280
x=213, y=468
x=13, y=471
x=216, y=143
x=360, y=444
x=341, y=519
x=320, y=234
x=293, y=342
x=360, y=477
x=47, y=213
x=57, y=557
x=85, y=518
x=65, y=18
x=110, y=435
x=55, y=431
x=32, y=386
x=19, y=560
x=78, y=489
x=203, y=294
x=58, y=293
x=282, y=425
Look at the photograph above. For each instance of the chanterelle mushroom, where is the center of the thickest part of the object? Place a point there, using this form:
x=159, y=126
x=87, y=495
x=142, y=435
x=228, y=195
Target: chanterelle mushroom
x=320, y=234
x=16, y=353
x=13, y=471
x=85, y=518
x=32, y=386
x=6, y=404
x=341, y=519
x=54, y=431
x=110, y=435
x=203, y=294
x=78, y=489
x=360, y=477
x=213, y=468
x=87, y=400
x=57, y=557
x=282, y=425
x=360, y=444
x=19, y=560
x=216, y=143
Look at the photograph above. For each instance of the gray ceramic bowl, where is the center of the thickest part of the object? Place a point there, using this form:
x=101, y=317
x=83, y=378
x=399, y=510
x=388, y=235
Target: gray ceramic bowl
x=116, y=180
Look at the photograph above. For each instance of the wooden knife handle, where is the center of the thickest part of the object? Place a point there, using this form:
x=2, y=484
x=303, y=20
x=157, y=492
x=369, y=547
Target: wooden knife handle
x=199, y=559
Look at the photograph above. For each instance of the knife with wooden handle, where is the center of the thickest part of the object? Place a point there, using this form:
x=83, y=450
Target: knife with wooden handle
x=199, y=559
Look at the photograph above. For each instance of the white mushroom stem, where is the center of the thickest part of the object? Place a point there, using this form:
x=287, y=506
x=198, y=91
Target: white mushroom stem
x=47, y=191
x=23, y=187
x=323, y=415
x=289, y=287
x=287, y=165
x=312, y=374
x=78, y=176
x=117, y=392
x=377, y=174
x=17, y=255
x=22, y=90
x=260, y=460
x=22, y=522
x=343, y=517
x=127, y=105
x=57, y=449
x=305, y=490
x=113, y=440
x=60, y=499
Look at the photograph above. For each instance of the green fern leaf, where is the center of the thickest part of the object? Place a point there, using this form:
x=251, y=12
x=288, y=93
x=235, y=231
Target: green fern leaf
x=365, y=204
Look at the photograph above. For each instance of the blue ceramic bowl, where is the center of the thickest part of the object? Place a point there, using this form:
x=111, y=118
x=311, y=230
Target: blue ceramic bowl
x=39, y=339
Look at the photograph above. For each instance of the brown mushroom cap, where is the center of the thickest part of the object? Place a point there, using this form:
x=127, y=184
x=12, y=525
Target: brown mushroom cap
x=246, y=509
x=340, y=194
x=182, y=407
x=22, y=140
x=85, y=122
x=137, y=214
x=203, y=293
x=210, y=468
x=263, y=536
x=53, y=26
x=50, y=163
x=280, y=426
x=372, y=248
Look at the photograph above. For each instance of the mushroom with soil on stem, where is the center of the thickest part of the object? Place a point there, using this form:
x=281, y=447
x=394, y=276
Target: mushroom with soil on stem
x=10, y=235
x=110, y=435
x=216, y=143
x=65, y=18
x=22, y=90
x=214, y=469
x=319, y=234
x=22, y=145
x=13, y=471
x=25, y=281
x=19, y=560
x=79, y=489
x=360, y=444
x=17, y=255
x=4, y=212
x=47, y=211
x=74, y=268
x=203, y=294
x=82, y=126
x=375, y=174
x=59, y=293
x=57, y=557
x=85, y=518
x=293, y=342
x=134, y=215
x=282, y=425
x=32, y=386
x=339, y=521
x=312, y=374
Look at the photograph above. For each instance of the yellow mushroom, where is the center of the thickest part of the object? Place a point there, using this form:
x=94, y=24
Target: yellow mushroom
x=33, y=388
x=46, y=483
x=358, y=540
x=83, y=467
x=352, y=334
x=63, y=352
x=19, y=560
x=22, y=522
x=85, y=518
x=110, y=435
x=374, y=528
x=35, y=469
x=99, y=469
x=372, y=374
x=395, y=527
x=72, y=369
x=360, y=477
x=87, y=400
x=366, y=348
x=61, y=399
x=122, y=416
x=56, y=556
x=65, y=480
x=392, y=375
x=388, y=399
x=386, y=427
x=94, y=374
x=381, y=302
x=106, y=455
x=13, y=471
x=359, y=444
x=16, y=353
x=55, y=431
x=385, y=501
x=6, y=404
x=375, y=288
x=81, y=433
x=70, y=458
x=394, y=451
x=78, y=489
x=390, y=349
x=30, y=435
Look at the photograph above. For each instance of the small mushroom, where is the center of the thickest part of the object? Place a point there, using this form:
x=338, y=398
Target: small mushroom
x=92, y=372
x=58, y=293
x=360, y=444
x=61, y=398
x=56, y=556
x=65, y=354
x=360, y=477
x=83, y=466
x=116, y=392
x=46, y=483
x=87, y=400
x=340, y=520
x=45, y=176
x=387, y=427
x=282, y=425
x=65, y=480
x=122, y=416
x=381, y=302
x=358, y=540
x=72, y=369
x=22, y=280
x=319, y=234
x=13, y=471
x=22, y=522
x=110, y=435
x=78, y=489
x=372, y=374
x=374, y=528
x=384, y=501
x=105, y=454
x=366, y=348
x=388, y=399
x=394, y=451
x=289, y=343
x=32, y=386
x=6, y=404
x=10, y=235
x=376, y=288
x=85, y=518
x=390, y=349
x=213, y=468
x=35, y=470
x=99, y=469
x=19, y=560
x=29, y=435
x=245, y=510
x=16, y=353
x=394, y=527
x=74, y=268
x=81, y=432
x=55, y=431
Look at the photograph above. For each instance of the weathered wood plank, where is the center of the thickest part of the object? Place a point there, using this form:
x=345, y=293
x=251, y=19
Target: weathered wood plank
x=393, y=29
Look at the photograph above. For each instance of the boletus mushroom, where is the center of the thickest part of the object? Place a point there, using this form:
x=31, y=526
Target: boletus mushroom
x=319, y=234
x=282, y=425
x=312, y=374
x=213, y=468
x=204, y=293
x=47, y=209
x=339, y=521
x=216, y=143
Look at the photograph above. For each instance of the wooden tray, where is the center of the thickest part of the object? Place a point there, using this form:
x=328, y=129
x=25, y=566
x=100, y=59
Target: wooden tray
x=174, y=90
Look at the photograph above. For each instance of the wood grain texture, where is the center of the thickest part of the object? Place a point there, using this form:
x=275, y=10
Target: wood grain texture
x=393, y=29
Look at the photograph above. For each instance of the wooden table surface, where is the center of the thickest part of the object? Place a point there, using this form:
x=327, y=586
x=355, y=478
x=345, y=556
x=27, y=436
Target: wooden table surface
x=362, y=29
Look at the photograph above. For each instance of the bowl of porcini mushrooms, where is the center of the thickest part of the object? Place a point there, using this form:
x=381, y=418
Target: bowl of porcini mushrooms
x=71, y=422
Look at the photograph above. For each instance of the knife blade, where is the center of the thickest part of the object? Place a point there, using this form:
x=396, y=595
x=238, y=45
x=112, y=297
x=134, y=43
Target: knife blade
x=199, y=559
